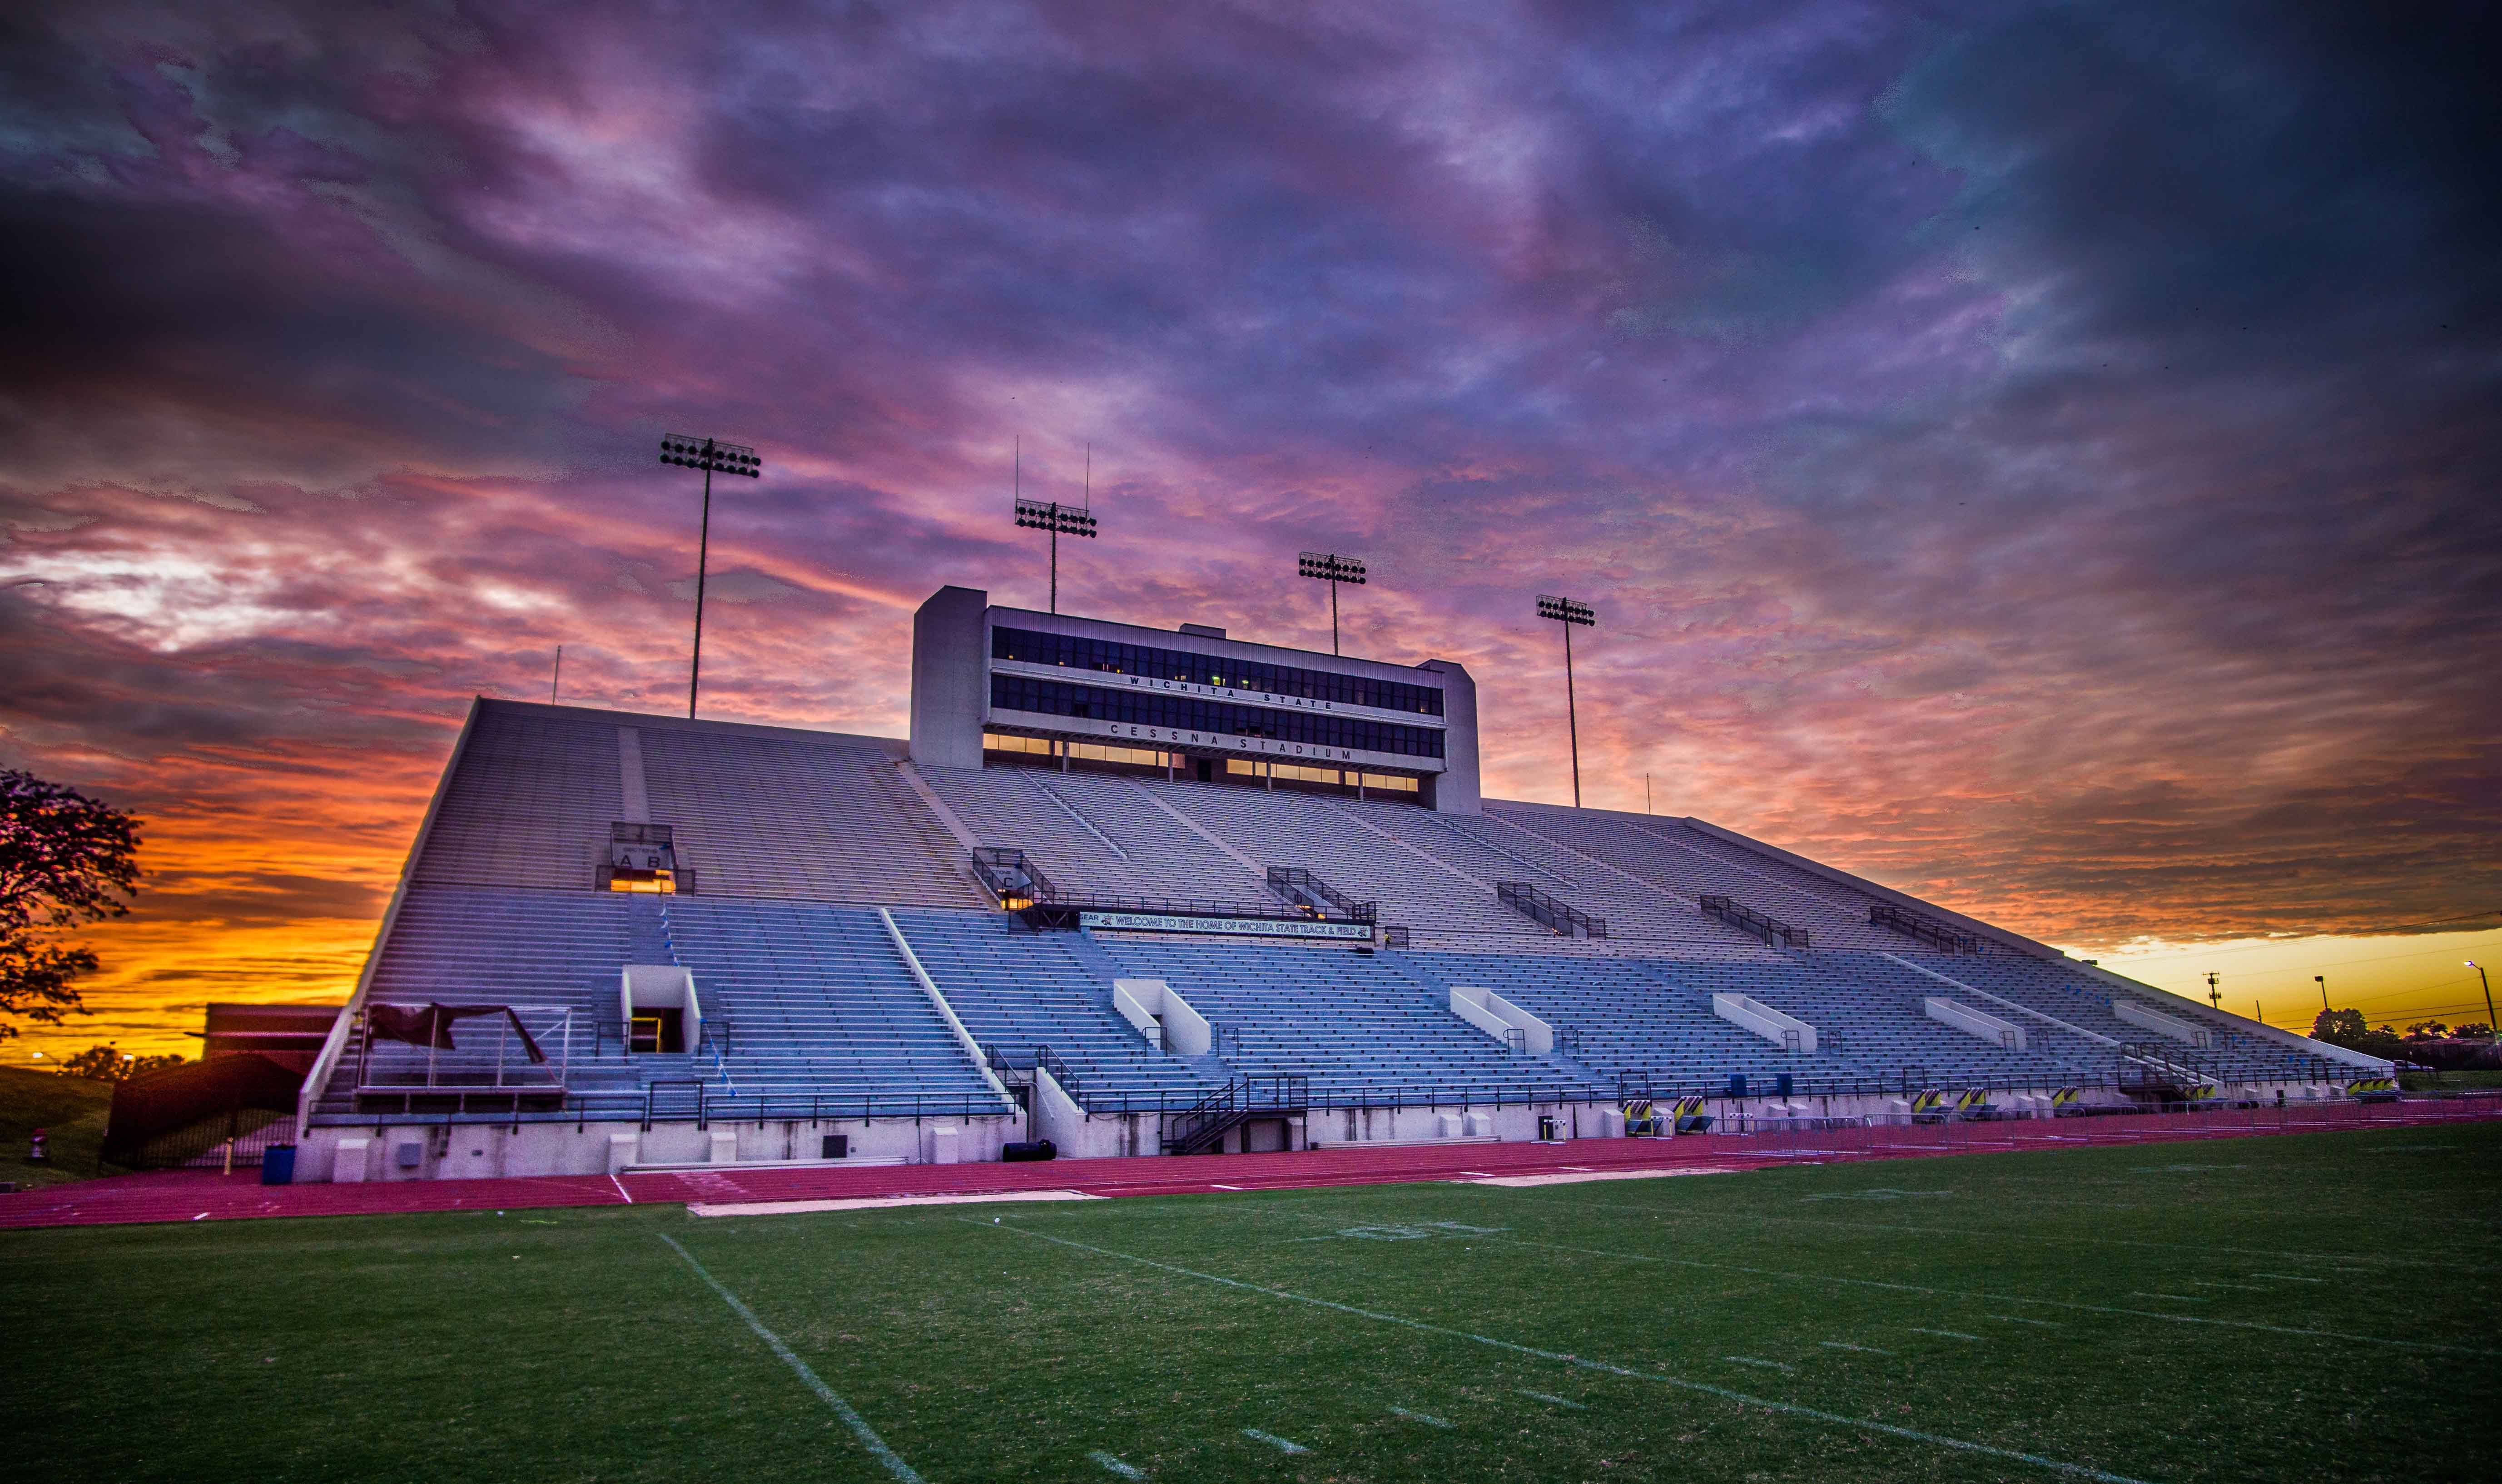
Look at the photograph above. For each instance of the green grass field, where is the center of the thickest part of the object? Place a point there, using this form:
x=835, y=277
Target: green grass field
x=2293, y=1308
x=70, y=1110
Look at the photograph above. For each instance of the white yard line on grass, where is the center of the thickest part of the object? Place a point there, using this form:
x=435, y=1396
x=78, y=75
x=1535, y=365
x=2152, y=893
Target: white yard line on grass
x=2287, y=1277
x=1557, y=1401
x=1256, y=1436
x=2012, y=1319
x=1865, y=1425
x=1431, y=1422
x=2055, y=1304
x=1835, y=1344
x=876, y=1445
x=1115, y=1466
x=872, y=1204
x=1584, y=1177
x=1948, y=1334
x=1657, y=1214
x=1747, y=1359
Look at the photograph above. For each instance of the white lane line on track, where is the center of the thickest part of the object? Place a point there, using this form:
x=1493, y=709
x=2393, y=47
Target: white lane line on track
x=1273, y=1441
x=2055, y=1304
x=876, y=1445
x=621, y=1189
x=1861, y=1424
x=1115, y=1466
x=1557, y=1401
x=1746, y=1360
x=1431, y=1422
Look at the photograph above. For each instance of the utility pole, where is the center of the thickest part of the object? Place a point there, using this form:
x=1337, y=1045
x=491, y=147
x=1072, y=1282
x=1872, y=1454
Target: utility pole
x=713, y=457
x=1571, y=615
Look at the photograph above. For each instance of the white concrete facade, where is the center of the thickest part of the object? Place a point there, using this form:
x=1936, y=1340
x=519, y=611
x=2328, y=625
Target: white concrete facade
x=369, y=1151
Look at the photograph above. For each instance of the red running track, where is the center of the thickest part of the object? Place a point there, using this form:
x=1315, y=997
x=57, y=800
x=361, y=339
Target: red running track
x=181, y=1195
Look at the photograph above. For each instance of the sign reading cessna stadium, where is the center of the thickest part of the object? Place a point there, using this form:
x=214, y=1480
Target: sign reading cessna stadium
x=1237, y=927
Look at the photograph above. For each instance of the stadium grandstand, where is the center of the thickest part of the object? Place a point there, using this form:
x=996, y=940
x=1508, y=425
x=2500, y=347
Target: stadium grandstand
x=1129, y=891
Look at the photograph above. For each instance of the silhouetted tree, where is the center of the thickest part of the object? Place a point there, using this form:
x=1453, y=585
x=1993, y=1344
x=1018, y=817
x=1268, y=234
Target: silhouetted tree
x=108, y=1063
x=65, y=859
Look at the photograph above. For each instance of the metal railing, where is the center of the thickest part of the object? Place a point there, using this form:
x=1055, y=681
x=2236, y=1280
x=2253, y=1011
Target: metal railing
x=1927, y=929
x=1557, y=916
x=1755, y=924
x=1305, y=889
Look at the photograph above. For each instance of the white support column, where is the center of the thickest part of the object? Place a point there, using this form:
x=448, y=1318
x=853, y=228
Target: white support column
x=1747, y=1013
x=2007, y=1035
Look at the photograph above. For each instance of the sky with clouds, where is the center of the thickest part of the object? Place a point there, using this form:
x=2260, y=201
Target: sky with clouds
x=2042, y=457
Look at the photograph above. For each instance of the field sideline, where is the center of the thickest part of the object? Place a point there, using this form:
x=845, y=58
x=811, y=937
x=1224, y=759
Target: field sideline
x=2295, y=1307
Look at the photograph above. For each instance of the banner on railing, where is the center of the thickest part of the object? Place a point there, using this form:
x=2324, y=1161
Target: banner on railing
x=1235, y=927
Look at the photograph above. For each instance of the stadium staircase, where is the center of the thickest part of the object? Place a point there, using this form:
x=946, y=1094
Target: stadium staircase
x=1201, y=1127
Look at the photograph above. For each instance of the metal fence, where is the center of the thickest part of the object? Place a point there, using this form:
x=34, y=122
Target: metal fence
x=1893, y=1135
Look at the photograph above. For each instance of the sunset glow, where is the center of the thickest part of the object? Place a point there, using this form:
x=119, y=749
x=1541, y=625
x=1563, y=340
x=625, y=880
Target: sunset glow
x=2014, y=455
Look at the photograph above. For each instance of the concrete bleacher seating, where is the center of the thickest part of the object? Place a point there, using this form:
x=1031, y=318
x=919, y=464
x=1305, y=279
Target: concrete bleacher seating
x=1358, y=1027
x=530, y=802
x=825, y=820
x=794, y=839
x=1018, y=991
x=819, y=1003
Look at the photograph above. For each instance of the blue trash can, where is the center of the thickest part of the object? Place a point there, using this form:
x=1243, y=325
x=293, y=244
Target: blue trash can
x=277, y=1164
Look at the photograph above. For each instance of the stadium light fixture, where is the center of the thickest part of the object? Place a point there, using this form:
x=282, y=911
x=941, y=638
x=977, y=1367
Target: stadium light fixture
x=713, y=457
x=2321, y=979
x=1325, y=566
x=1571, y=615
x=1052, y=516
x=2493, y=1031
x=2214, y=996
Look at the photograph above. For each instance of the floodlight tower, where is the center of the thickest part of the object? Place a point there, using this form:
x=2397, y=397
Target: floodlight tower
x=1570, y=613
x=2493, y=1031
x=2214, y=996
x=1322, y=566
x=1052, y=516
x=713, y=457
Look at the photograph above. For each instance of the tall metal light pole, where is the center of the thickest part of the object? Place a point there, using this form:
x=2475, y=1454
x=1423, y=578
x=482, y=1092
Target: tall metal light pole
x=1570, y=613
x=2493, y=1031
x=2321, y=979
x=713, y=457
x=1332, y=570
x=2214, y=996
x=1052, y=516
